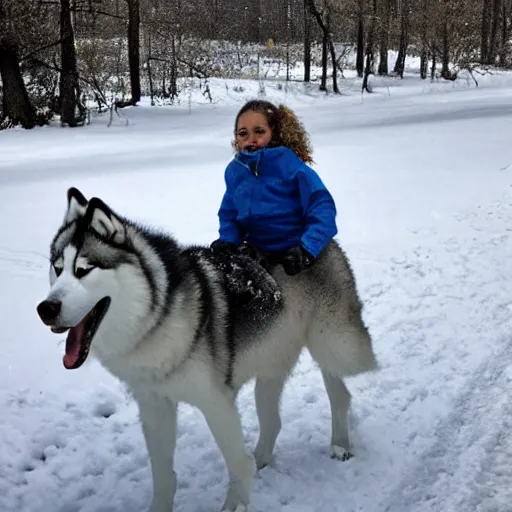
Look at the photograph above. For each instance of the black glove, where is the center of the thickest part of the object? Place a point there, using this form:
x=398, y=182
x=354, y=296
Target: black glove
x=222, y=248
x=247, y=249
x=296, y=260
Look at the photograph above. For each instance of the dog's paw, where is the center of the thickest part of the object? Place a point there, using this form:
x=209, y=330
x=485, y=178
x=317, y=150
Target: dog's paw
x=239, y=508
x=262, y=460
x=339, y=453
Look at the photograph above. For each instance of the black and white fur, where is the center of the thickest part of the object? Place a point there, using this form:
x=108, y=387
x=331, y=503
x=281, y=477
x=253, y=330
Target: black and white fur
x=176, y=324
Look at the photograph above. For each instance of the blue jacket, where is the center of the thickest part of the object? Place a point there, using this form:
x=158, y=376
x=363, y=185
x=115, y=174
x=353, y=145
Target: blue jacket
x=275, y=201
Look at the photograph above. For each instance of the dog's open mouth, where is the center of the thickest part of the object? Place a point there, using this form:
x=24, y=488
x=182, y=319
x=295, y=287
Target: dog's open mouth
x=79, y=337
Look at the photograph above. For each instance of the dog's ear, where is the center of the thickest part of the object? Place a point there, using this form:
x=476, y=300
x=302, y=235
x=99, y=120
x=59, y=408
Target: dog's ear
x=77, y=204
x=100, y=218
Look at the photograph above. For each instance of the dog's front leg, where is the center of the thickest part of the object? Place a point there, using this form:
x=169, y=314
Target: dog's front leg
x=158, y=418
x=268, y=393
x=224, y=422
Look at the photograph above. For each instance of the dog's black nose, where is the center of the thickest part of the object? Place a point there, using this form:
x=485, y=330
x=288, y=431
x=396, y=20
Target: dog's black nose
x=49, y=310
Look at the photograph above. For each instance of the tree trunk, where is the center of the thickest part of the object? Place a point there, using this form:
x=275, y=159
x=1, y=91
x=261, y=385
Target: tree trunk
x=288, y=38
x=402, y=50
x=335, y=87
x=323, y=83
x=424, y=52
x=384, y=39
x=484, y=36
x=370, y=59
x=173, y=81
x=332, y=50
x=494, y=31
x=69, y=90
x=134, y=49
x=16, y=103
x=505, y=32
x=150, y=72
x=445, y=68
x=360, y=45
x=307, y=43
x=423, y=64
x=327, y=44
x=402, y=53
x=445, y=57
x=175, y=41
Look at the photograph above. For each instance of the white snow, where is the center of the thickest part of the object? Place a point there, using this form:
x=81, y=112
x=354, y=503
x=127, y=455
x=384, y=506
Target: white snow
x=422, y=176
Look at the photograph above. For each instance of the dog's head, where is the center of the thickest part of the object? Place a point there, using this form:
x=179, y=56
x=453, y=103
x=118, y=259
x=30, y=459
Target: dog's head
x=89, y=258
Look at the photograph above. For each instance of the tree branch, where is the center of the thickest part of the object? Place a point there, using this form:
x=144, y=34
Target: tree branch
x=89, y=10
x=184, y=62
x=29, y=55
x=100, y=13
x=55, y=67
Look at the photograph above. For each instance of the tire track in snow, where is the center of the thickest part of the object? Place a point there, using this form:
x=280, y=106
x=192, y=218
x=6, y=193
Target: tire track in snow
x=456, y=472
x=449, y=328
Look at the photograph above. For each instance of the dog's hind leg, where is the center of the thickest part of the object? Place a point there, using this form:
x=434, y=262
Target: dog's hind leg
x=159, y=427
x=339, y=398
x=268, y=394
x=341, y=355
x=224, y=421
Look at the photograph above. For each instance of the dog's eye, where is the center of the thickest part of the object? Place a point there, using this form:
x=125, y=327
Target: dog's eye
x=58, y=270
x=82, y=271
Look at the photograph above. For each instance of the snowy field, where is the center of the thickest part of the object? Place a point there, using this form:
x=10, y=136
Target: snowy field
x=422, y=176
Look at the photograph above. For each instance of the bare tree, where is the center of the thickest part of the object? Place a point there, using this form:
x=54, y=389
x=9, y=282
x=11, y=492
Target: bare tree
x=369, y=53
x=323, y=20
x=384, y=20
x=404, y=38
x=72, y=112
x=134, y=49
x=506, y=33
x=495, y=25
x=360, y=39
x=307, y=42
x=486, y=22
x=424, y=40
x=16, y=105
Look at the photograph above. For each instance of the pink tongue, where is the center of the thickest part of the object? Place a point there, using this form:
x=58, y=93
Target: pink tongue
x=73, y=344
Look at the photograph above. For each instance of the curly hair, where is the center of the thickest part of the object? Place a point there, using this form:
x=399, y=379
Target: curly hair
x=287, y=129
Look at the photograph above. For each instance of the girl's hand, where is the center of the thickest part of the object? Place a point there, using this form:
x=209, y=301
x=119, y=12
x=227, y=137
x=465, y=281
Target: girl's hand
x=296, y=260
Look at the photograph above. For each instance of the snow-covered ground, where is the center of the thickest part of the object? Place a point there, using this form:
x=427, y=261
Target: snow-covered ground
x=422, y=176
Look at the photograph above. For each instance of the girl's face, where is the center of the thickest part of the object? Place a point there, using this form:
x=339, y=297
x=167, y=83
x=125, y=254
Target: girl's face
x=253, y=131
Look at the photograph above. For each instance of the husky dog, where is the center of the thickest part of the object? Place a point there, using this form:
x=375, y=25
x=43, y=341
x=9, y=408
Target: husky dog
x=178, y=324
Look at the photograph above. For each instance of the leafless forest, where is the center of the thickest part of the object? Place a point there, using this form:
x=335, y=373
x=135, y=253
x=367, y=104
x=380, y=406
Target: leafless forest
x=61, y=56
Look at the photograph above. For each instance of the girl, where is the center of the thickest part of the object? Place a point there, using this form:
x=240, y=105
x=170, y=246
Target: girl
x=273, y=200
